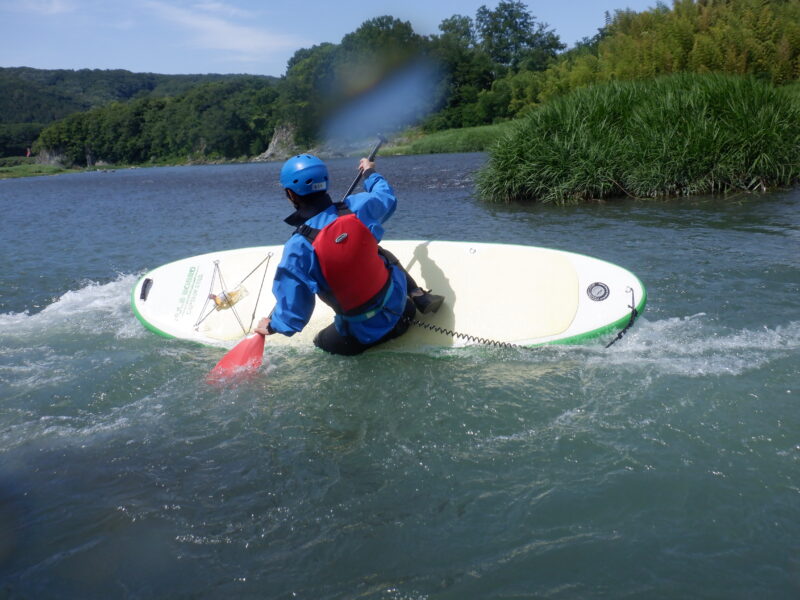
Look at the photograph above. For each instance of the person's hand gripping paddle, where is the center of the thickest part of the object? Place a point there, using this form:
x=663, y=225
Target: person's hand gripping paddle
x=247, y=355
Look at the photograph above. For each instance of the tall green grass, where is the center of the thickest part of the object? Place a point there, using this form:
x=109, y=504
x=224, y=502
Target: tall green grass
x=467, y=139
x=793, y=89
x=682, y=134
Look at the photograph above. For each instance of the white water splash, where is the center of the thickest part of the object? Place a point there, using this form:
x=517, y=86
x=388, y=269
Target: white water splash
x=94, y=309
x=692, y=346
x=695, y=346
x=77, y=334
x=139, y=416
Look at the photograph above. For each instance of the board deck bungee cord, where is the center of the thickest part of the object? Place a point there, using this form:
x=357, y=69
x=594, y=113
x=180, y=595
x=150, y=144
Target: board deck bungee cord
x=500, y=294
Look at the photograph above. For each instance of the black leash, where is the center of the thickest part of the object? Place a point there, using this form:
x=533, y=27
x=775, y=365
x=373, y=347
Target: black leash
x=499, y=344
x=465, y=336
x=634, y=315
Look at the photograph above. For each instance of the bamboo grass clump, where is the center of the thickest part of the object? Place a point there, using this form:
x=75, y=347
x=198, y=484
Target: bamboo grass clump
x=676, y=135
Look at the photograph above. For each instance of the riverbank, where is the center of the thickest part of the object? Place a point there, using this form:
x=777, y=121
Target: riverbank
x=411, y=142
x=12, y=168
x=671, y=136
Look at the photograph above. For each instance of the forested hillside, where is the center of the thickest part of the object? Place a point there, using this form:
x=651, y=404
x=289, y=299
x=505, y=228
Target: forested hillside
x=318, y=82
x=30, y=99
x=224, y=119
x=495, y=66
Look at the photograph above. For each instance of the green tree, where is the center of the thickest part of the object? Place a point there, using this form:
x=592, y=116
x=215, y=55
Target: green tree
x=307, y=91
x=458, y=31
x=743, y=37
x=378, y=47
x=468, y=70
x=16, y=138
x=320, y=80
x=511, y=36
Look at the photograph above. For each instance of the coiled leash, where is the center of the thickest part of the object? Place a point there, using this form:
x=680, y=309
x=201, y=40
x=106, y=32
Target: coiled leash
x=457, y=334
x=498, y=344
x=464, y=336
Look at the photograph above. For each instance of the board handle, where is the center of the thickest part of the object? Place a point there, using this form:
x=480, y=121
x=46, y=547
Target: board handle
x=145, y=291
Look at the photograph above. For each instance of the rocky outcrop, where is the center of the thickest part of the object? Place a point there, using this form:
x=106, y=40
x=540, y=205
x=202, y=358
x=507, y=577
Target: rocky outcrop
x=51, y=157
x=281, y=146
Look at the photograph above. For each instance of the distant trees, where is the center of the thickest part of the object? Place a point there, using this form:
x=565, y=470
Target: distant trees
x=476, y=54
x=320, y=79
x=496, y=66
x=512, y=38
x=468, y=70
x=215, y=120
x=31, y=99
x=17, y=138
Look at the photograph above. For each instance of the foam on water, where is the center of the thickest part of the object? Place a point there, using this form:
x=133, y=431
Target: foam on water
x=94, y=309
x=47, y=421
x=75, y=334
x=691, y=346
x=695, y=346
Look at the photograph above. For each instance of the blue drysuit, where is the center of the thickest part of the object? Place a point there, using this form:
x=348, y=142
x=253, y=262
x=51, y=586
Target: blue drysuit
x=299, y=277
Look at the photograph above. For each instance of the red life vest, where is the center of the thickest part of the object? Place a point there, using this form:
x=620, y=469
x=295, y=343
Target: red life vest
x=348, y=256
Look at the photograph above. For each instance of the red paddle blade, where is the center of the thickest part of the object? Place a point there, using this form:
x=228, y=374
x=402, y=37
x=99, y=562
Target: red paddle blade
x=244, y=356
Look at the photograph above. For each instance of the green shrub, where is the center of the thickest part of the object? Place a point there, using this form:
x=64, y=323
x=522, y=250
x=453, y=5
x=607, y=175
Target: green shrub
x=682, y=134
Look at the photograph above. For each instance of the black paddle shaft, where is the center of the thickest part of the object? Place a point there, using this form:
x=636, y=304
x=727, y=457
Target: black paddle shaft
x=370, y=158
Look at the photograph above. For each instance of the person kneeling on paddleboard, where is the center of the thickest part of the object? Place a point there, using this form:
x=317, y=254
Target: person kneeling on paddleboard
x=334, y=254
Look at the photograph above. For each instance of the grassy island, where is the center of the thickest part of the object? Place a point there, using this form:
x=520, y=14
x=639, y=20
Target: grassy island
x=466, y=139
x=674, y=135
x=13, y=167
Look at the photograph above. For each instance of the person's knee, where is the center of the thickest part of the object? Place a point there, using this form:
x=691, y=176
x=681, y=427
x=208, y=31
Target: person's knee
x=330, y=340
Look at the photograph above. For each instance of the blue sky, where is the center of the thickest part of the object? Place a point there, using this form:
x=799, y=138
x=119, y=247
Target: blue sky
x=231, y=36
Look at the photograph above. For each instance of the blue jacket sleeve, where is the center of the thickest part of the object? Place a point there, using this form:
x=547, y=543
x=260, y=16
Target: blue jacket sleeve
x=293, y=288
x=375, y=205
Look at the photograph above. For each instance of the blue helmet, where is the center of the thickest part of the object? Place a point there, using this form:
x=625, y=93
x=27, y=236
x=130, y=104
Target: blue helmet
x=304, y=174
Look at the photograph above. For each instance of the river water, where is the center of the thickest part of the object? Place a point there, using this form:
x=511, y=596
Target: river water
x=667, y=466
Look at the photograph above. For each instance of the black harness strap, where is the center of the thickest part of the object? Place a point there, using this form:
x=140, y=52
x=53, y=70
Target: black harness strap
x=311, y=233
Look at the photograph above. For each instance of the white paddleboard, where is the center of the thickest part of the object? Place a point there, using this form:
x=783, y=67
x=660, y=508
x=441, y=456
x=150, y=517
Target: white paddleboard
x=494, y=293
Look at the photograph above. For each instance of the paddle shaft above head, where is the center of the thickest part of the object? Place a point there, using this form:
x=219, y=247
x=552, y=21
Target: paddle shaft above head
x=370, y=158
